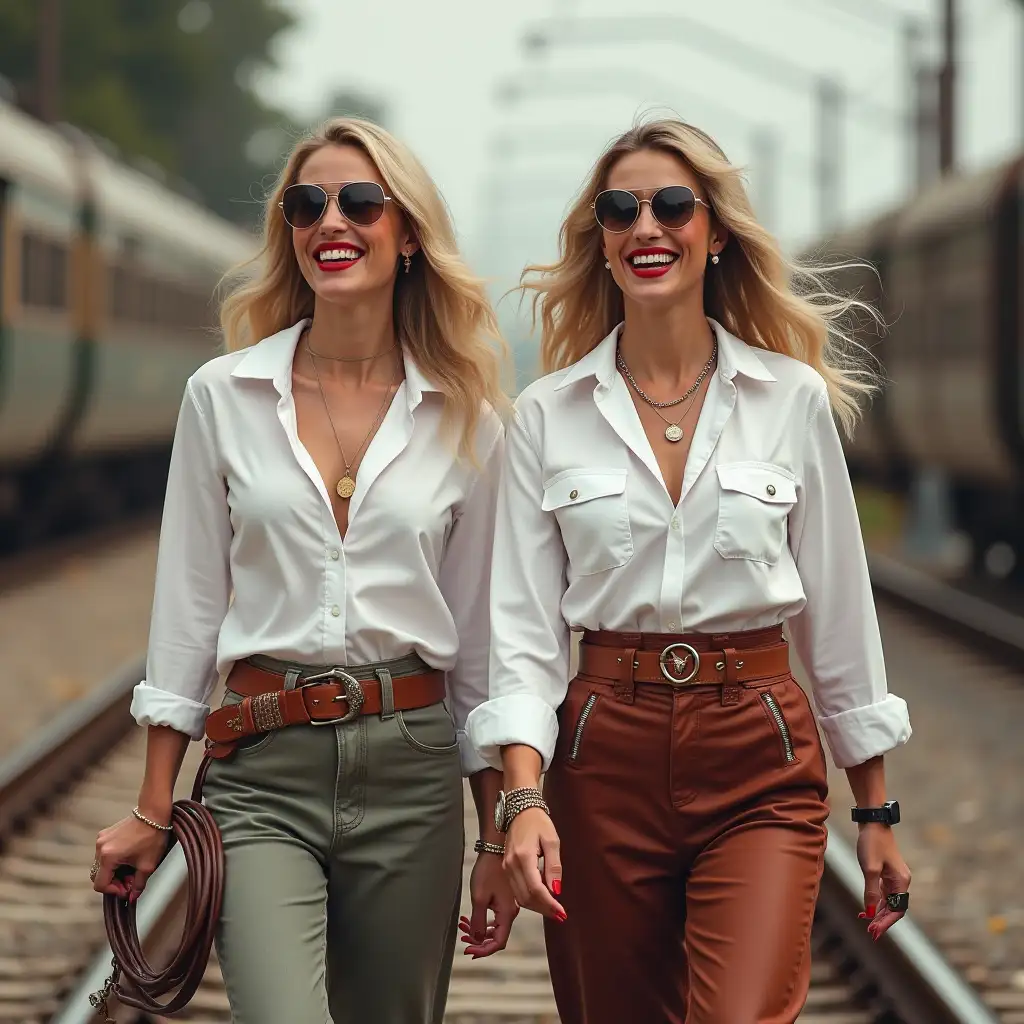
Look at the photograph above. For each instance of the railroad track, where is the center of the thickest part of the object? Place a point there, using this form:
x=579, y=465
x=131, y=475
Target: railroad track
x=81, y=772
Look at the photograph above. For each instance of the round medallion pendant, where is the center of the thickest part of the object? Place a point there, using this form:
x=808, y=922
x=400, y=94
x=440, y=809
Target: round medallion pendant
x=673, y=432
x=346, y=487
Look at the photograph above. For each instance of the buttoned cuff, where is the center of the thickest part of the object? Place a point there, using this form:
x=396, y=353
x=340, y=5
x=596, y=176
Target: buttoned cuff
x=859, y=734
x=153, y=706
x=517, y=718
x=472, y=762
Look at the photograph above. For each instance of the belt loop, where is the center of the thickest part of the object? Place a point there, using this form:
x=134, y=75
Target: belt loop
x=730, y=687
x=624, y=688
x=387, y=693
x=291, y=677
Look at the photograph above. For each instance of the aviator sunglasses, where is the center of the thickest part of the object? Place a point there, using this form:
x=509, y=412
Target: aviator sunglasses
x=360, y=202
x=672, y=207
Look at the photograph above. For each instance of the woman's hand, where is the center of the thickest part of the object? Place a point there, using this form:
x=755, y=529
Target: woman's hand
x=531, y=836
x=132, y=849
x=885, y=873
x=489, y=889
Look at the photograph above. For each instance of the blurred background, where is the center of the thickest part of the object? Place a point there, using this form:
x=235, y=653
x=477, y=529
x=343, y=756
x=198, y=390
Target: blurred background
x=138, y=138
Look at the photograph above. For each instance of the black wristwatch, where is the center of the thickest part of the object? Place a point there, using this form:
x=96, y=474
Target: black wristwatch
x=887, y=814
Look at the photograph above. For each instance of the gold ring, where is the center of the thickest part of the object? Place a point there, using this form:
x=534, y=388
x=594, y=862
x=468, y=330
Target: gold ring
x=94, y=870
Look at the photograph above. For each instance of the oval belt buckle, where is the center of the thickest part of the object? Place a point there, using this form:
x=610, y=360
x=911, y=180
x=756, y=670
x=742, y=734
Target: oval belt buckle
x=670, y=663
x=353, y=694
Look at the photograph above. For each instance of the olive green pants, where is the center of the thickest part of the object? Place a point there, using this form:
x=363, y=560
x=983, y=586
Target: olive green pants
x=343, y=857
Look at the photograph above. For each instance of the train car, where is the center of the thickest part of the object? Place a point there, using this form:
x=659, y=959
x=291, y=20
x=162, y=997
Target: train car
x=107, y=281
x=955, y=352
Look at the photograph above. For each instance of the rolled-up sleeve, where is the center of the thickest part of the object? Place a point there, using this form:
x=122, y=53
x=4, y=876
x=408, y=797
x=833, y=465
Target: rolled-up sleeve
x=836, y=634
x=464, y=580
x=529, y=663
x=193, y=582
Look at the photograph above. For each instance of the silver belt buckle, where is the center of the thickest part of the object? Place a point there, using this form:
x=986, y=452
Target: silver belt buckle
x=353, y=694
x=673, y=665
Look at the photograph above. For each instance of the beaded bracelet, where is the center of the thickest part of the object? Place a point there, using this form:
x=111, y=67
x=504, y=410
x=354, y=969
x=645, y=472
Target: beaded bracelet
x=152, y=824
x=480, y=846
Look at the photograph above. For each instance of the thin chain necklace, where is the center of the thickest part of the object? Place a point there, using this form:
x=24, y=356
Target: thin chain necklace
x=350, y=359
x=673, y=432
x=346, y=486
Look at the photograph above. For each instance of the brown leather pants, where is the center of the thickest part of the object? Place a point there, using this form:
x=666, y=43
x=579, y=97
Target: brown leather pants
x=692, y=836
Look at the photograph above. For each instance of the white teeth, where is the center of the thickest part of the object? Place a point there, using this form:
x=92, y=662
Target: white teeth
x=338, y=254
x=657, y=257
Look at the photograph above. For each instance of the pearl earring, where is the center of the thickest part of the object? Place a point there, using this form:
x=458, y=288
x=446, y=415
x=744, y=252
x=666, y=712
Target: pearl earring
x=714, y=259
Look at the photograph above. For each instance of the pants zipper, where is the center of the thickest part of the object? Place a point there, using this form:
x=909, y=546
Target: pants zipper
x=580, y=725
x=776, y=712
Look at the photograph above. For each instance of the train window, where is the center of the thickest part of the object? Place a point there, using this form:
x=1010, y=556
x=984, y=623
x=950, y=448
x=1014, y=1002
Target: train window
x=44, y=273
x=139, y=299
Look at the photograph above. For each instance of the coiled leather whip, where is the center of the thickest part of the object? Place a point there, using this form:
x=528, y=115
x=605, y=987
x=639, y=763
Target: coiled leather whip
x=134, y=981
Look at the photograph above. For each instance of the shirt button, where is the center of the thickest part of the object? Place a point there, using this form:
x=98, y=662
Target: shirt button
x=675, y=523
x=573, y=495
x=335, y=554
x=673, y=626
x=335, y=611
x=771, y=490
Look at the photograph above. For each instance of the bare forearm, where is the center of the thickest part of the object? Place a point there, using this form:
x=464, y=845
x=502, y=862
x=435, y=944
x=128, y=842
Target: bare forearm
x=485, y=785
x=867, y=781
x=522, y=766
x=165, y=750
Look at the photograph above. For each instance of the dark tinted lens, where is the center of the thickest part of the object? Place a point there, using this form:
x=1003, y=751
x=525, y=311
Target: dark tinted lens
x=616, y=209
x=303, y=205
x=673, y=206
x=362, y=202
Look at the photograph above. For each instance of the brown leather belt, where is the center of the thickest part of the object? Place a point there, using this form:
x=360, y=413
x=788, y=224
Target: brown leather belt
x=324, y=698
x=697, y=659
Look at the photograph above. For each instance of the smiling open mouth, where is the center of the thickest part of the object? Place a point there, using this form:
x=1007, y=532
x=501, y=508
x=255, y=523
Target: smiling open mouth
x=340, y=257
x=651, y=263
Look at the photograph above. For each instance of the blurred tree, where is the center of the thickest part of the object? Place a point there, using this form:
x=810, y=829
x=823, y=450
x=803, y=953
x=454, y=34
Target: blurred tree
x=170, y=81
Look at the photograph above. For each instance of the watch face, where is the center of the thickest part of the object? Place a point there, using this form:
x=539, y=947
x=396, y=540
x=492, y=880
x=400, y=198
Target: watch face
x=499, y=812
x=893, y=808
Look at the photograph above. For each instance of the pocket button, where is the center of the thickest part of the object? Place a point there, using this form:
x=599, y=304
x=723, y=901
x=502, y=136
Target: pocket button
x=573, y=494
x=771, y=490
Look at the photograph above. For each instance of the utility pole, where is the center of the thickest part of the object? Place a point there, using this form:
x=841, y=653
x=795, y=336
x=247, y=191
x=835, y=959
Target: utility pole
x=947, y=88
x=48, y=61
x=830, y=152
x=920, y=137
x=766, y=153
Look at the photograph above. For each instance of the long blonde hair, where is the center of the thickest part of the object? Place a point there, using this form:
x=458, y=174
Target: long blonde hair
x=441, y=310
x=754, y=292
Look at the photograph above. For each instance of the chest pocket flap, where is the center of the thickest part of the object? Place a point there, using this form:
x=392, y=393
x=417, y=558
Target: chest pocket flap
x=591, y=508
x=753, y=508
x=574, y=486
x=766, y=483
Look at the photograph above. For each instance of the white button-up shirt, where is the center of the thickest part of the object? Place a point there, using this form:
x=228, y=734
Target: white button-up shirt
x=246, y=510
x=766, y=531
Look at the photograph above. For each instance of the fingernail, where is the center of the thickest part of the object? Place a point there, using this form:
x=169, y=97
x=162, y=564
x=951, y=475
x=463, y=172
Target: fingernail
x=561, y=916
x=556, y=887
x=871, y=910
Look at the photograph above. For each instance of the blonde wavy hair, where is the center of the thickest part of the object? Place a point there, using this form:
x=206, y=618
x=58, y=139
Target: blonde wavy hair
x=442, y=314
x=754, y=292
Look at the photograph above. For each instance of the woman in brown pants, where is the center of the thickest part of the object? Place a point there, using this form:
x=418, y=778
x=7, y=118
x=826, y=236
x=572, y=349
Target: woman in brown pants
x=676, y=491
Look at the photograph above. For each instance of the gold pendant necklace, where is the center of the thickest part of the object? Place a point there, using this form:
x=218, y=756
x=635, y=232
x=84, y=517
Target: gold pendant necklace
x=346, y=486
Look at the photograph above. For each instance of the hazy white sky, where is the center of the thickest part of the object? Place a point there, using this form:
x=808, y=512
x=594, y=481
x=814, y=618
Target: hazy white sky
x=437, y=65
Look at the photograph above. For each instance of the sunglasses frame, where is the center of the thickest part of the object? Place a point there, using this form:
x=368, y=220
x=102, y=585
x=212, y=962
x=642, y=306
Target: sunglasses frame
x=335, y=196
x=639, y=205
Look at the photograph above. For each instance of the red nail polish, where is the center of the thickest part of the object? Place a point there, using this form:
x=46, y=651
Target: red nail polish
x=556, y=887
x=871, y=910
x=561, y=916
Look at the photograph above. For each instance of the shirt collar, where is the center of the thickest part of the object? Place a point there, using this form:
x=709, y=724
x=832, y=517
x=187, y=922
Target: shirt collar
x=271, y=359
x=734, y=356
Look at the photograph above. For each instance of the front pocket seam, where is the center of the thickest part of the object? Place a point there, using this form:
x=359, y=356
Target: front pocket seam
x=416, y=744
